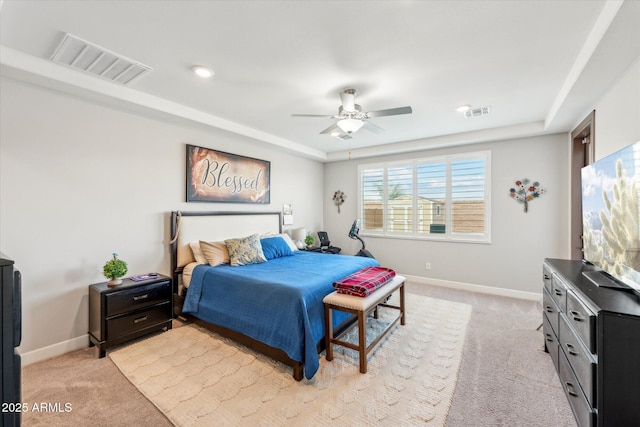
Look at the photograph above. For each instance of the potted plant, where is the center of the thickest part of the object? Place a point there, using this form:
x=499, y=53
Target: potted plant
x=114, y=269
x=309, y=240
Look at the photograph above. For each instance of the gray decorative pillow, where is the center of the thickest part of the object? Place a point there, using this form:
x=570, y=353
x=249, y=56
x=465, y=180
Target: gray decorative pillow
x=245, y=251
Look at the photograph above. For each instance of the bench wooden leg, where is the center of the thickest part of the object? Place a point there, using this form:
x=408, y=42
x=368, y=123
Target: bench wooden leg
x=328, y=332
x=362, y=341
x=402, y=311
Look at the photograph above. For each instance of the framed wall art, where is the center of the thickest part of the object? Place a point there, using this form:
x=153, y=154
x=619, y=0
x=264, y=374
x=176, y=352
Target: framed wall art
x=216, y=176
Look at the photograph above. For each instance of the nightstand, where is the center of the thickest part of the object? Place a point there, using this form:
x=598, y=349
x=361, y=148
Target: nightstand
x=133, y=309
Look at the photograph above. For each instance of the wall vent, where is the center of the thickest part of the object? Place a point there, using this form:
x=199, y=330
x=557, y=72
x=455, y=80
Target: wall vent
x=90, y=58
x=477, y=112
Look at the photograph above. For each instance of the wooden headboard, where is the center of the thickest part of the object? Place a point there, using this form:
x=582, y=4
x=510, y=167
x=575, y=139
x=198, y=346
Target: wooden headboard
x=187, y=227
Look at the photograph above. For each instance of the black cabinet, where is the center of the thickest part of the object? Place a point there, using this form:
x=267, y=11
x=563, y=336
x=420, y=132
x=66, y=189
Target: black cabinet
x=11, y=335
x=120, y=313
x=593, y=336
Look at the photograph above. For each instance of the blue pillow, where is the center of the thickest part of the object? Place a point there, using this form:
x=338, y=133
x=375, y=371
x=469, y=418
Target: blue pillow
x=275, y=247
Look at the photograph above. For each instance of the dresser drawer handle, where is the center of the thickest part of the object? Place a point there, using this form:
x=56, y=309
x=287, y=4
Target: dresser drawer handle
x=549, y=337
x=549, y=309
x=557, y=292
x=141, y=319
x=546, y=277
x=572, y=350
x=571, y=389
x=575, y=316
x=141, y=297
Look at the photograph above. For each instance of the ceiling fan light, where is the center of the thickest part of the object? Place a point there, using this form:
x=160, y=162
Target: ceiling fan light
x=350, y=125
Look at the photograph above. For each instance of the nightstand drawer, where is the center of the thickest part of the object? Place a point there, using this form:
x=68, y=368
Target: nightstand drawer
x=137, y=298
x=130, y=323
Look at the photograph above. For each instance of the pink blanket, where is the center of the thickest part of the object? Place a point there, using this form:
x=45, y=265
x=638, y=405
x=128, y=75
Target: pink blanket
x=365, y=281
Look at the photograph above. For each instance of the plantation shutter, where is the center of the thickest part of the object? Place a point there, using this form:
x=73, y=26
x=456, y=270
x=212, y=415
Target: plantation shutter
x=432, y=197
x=467, y=196
x=371, y=202
x=399, y=199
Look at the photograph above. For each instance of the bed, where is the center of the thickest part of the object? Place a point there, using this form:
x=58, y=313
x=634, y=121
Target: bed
x=274, y=307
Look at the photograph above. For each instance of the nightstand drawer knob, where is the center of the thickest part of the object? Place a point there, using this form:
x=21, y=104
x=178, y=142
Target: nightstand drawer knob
x=141, y=319
x=141, y=297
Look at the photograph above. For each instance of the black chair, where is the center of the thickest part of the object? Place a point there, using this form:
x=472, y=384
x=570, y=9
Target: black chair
x=325, y=244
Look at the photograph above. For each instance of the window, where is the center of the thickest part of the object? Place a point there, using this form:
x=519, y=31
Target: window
x=443, y=198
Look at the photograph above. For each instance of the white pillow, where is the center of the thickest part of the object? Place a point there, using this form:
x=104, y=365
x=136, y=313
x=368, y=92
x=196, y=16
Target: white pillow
x=287, y=239
x=198, y=255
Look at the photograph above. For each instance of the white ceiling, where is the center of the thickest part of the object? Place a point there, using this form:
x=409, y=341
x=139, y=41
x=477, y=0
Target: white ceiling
x=539, y=65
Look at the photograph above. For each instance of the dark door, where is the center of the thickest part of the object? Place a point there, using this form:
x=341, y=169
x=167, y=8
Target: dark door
x=582, y=154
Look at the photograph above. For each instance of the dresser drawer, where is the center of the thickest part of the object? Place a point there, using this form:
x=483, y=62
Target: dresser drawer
x=581, y=361
x=134, y=322
x=138, y=297
x=559, y=292
x=584, y=414
x=546, y=278
x=550, y=340
x=582, y=320
x=550, y=308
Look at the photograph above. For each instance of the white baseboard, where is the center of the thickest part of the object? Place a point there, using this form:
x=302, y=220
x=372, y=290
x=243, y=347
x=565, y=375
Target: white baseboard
x=54, y=350
x=532, y=296
x=82, y=341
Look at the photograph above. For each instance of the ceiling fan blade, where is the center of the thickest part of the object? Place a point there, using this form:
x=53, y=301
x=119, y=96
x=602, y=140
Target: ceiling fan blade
x=373, y=128
x=333, y=128
x=343, y=136
x=390, y=112
x=313, y=115
x=336, y=132
x=348, y=98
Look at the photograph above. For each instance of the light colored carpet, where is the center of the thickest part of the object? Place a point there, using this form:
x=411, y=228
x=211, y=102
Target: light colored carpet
x=197, y=378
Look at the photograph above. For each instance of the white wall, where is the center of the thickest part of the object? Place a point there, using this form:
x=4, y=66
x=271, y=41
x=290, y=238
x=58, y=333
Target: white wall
x=520, y=241
x=79, y=181
x=618, y=114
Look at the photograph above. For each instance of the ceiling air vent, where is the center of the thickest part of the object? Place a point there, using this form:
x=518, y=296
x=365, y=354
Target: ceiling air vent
x=82, y=55
x=477, y=112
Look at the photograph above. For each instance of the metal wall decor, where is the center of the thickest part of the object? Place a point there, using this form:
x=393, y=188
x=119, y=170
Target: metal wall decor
x=524, y=192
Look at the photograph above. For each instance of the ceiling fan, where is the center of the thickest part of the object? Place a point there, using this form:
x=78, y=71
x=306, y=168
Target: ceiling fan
x=351, y=117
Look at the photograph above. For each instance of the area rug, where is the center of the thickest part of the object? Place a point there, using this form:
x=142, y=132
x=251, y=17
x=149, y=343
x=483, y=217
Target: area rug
x=198, y=378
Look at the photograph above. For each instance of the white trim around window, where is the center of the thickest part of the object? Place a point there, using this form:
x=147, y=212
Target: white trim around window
x=436, y=198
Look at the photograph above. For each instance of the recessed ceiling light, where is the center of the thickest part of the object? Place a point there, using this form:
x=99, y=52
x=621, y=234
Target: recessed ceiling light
x=463, y=108
x=202, y=71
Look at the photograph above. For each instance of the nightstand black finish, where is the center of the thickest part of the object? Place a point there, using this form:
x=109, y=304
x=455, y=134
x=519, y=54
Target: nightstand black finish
x=133, y=309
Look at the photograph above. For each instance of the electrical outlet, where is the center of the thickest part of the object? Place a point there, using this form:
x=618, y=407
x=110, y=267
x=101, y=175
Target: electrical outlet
x=427, y=266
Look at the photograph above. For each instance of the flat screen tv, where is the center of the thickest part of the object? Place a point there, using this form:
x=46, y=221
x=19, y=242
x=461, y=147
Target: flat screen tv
x=610, y=217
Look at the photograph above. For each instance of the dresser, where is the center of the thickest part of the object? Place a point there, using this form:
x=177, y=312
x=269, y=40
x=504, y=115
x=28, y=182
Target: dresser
x=593, y=337
x=10, y=338
x=133, y=309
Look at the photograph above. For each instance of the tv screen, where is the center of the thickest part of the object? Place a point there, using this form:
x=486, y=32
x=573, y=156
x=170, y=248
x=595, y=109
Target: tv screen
x=610, y=216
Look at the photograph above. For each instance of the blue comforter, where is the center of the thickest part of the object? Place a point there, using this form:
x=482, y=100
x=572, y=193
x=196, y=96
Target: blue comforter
x=278, y=302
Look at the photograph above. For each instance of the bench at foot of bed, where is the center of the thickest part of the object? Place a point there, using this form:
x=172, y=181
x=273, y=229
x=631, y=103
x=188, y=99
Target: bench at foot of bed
x=361, y=307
